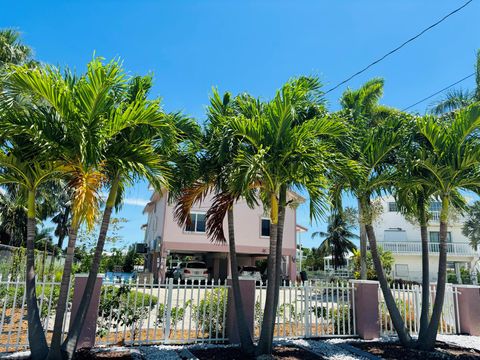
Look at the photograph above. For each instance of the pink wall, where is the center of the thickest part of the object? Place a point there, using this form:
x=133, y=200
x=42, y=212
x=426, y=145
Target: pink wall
x=247, y=227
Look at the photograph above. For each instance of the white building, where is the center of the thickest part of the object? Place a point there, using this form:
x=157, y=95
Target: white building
x=394, y=233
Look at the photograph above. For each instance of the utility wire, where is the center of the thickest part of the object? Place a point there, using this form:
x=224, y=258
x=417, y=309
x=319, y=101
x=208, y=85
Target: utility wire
x=399, y=47
x=439, y=91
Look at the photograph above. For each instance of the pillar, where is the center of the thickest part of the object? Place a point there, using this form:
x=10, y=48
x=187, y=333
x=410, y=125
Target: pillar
x=468, y=305
x=365, y=297
x=247, y=289
x=87, y=335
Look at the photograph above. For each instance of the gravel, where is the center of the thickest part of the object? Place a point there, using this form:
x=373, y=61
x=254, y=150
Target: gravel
x=326, y=349
x=465, y=341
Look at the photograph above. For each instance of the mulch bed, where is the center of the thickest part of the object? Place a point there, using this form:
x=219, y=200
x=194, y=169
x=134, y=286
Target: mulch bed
x=87, y=354
x=395, y=351
x=233, y=353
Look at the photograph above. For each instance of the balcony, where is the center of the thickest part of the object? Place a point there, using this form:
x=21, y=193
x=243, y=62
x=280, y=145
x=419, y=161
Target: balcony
x=415, y=247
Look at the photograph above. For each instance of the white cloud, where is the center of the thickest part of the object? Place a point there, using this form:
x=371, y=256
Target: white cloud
x=135, y=201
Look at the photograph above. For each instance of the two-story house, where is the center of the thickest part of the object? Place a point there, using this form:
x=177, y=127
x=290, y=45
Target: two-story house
x=402, y=237
x=165, y=239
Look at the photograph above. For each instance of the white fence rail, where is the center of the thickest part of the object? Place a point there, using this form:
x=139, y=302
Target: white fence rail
x=415, y=247
x=409, y=301
x=146, y=313
x=311, y=309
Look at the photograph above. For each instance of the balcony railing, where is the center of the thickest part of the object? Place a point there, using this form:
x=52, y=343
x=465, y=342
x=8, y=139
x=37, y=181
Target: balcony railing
x=415, y=247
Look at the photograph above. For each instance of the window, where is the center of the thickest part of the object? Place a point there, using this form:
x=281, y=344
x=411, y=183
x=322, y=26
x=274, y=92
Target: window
x=392, y=207
x=435, y=206
x=265, y=231
x=435, y=237
x=197, y=223
x=401, y=270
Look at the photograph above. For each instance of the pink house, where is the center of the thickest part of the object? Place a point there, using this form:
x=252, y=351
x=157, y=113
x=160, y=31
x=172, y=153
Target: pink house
x=168, y=242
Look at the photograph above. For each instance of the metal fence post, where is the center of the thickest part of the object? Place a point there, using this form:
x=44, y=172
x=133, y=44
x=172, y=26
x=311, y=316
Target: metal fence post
x=168, y=309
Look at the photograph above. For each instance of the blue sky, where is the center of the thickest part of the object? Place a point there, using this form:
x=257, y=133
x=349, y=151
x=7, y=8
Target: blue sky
x=254, y=46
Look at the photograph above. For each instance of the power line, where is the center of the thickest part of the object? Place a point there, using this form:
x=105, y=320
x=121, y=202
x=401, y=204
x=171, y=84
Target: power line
x=439, y=91
x=399, y=47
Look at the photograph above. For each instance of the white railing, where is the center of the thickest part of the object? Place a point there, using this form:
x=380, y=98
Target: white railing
x=311, y=309
x=13, y=311
x=409, y=302
x=415, y=247
x=173, y=313
x=130, y=313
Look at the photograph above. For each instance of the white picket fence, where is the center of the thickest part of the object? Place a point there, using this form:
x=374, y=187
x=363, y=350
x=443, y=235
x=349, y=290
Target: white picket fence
x=409, y=301
x=138, y=313
x=147, y=313
x=311, y=309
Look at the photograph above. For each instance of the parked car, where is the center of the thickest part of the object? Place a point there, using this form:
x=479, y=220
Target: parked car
x=191, y=271
x=251, y=272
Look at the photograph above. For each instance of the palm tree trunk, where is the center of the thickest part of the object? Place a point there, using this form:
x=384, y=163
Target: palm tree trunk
x=430, y=338
x=246, y=342
x=424, y=317
x=278, y=254
x=363, y=242
x=36, y=336
x=269, y=311
x=397, y=320
x=55, y=350
x=69, y=346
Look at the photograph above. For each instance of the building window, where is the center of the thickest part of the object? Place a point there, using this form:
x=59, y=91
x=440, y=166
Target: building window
x=435, y=206
x=401, y=270
x=197, y=223
x=435, y=237
x=265, y=231
x=392, y=207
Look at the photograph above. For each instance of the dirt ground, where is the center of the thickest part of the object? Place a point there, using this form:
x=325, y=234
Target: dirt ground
x=394, y=351
x=233, y=353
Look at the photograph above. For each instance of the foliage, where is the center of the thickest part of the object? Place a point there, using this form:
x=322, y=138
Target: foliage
x=177, y=313
x=386, y=257
x=121, y=306
x=471, y=226
x=340, y=317
x=208, y=314
x=338, y=239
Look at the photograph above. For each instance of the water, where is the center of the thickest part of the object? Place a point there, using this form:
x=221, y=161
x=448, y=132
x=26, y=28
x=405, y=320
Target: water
x=116, y=277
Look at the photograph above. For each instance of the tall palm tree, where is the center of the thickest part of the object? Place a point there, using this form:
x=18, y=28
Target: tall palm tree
x=458, y=98
x=28, y=174
x=362, y=110
x=451, y=164
x=63, y=120
x=213, y=173
x=376, y=155
x=337, y=240
x=135, y=133
x=286, y=143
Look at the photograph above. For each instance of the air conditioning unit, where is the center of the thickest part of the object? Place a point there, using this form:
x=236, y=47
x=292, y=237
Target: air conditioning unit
x=141, y=248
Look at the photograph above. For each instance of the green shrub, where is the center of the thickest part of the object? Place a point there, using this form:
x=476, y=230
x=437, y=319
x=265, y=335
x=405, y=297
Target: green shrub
x=341, y=316
x=121, y=306
x=208, y=314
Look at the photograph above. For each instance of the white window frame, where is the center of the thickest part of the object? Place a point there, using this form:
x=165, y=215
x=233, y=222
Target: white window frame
x=194, y=223
x=263, y=236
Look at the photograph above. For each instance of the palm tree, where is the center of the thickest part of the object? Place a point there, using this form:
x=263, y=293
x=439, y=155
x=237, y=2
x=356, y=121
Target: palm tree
x=450, y=164
x=28, y=174
x=213, y=172
x=337, y=242
x=458, y=98
x=134, y=147
x=286, y=143
x=376, y=155
x=363, y=111
x=67, y=129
